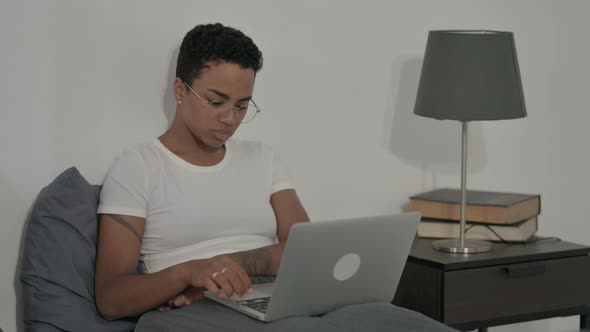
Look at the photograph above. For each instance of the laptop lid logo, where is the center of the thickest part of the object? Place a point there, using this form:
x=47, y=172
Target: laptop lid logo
x=347, y=266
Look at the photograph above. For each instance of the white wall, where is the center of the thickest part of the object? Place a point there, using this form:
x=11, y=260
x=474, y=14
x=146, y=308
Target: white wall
x=79, y=80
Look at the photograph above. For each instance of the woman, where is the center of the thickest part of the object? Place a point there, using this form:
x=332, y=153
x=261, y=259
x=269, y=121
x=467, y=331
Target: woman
x=197, y=209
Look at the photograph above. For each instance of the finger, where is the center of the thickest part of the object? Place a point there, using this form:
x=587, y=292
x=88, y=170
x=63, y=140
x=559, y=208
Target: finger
x=172, y=300
x=179, y=301
x=235, y=280
x=226, y=262
x=212, y=287
x=240, y=272
x=223, y=283
x=193, y=295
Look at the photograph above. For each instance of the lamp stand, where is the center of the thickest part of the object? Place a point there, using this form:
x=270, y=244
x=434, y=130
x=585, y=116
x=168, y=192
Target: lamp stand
x=461, y=245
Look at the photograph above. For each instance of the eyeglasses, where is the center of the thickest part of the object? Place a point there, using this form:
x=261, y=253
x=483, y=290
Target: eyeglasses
x=244, y=113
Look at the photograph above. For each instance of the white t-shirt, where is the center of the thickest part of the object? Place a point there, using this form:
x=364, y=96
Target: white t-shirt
x=194, y=212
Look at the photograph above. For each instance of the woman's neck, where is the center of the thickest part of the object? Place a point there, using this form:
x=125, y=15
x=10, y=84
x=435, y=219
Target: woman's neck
x=191, y=149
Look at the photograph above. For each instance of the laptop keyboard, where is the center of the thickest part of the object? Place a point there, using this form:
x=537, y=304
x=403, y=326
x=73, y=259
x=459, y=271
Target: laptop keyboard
x=257, y=280
x=258, y=304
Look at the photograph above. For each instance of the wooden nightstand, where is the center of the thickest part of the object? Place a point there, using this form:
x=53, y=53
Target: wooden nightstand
x=512, y=283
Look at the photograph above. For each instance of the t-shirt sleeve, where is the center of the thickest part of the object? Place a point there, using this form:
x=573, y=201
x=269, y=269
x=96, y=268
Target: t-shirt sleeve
x=281, y=178
x=125, y=189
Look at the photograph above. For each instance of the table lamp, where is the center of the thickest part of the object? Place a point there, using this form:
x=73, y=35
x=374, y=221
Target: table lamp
x=469, y=75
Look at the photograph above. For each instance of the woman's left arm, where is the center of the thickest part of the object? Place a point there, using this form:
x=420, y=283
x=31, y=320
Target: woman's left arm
x=266, y=260
x=288, y=211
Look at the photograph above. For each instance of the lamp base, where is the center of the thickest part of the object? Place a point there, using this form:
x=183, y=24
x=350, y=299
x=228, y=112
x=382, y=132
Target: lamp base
x=469, y=247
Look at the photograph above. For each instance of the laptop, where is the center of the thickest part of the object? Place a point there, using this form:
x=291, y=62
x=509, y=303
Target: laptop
x=330, y=264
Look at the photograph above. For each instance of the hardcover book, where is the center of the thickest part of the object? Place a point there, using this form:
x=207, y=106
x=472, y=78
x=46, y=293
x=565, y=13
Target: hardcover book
x=449, y=229
x=481, y=206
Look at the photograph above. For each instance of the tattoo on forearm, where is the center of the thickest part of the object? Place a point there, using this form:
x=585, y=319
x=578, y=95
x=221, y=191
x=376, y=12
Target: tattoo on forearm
x=125, y=224
x=255, y=262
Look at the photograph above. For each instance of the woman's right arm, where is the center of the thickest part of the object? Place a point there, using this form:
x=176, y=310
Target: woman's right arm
x=121, y=292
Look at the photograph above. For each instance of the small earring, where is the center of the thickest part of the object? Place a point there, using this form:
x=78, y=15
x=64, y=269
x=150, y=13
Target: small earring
x=179, y=102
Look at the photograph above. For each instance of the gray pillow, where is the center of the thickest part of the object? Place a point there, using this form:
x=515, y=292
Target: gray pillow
x=58, y=259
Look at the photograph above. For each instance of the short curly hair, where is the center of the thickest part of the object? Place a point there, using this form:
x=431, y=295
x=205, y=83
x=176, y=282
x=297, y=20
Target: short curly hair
x=215, y=43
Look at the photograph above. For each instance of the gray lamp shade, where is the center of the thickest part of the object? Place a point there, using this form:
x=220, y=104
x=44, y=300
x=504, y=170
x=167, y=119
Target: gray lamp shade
x=470, y=76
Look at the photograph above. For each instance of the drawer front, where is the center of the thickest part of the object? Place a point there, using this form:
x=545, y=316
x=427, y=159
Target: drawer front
x=420, y=289
x=515, y=289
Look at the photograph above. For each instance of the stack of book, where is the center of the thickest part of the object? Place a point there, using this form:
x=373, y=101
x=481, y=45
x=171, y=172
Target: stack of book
x=492, y=216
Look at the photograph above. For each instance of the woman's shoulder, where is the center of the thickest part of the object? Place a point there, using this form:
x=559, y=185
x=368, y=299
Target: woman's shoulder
x=145, y=153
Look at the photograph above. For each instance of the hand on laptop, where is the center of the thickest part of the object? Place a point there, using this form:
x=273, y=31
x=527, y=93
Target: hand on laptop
x=221, y=275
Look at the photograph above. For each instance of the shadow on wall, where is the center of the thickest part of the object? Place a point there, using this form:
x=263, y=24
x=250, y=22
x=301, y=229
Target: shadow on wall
x=430, y=145
x=168, y=100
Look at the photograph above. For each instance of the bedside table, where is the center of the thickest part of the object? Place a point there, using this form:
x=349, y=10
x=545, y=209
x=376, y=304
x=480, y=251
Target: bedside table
x=512, y=283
